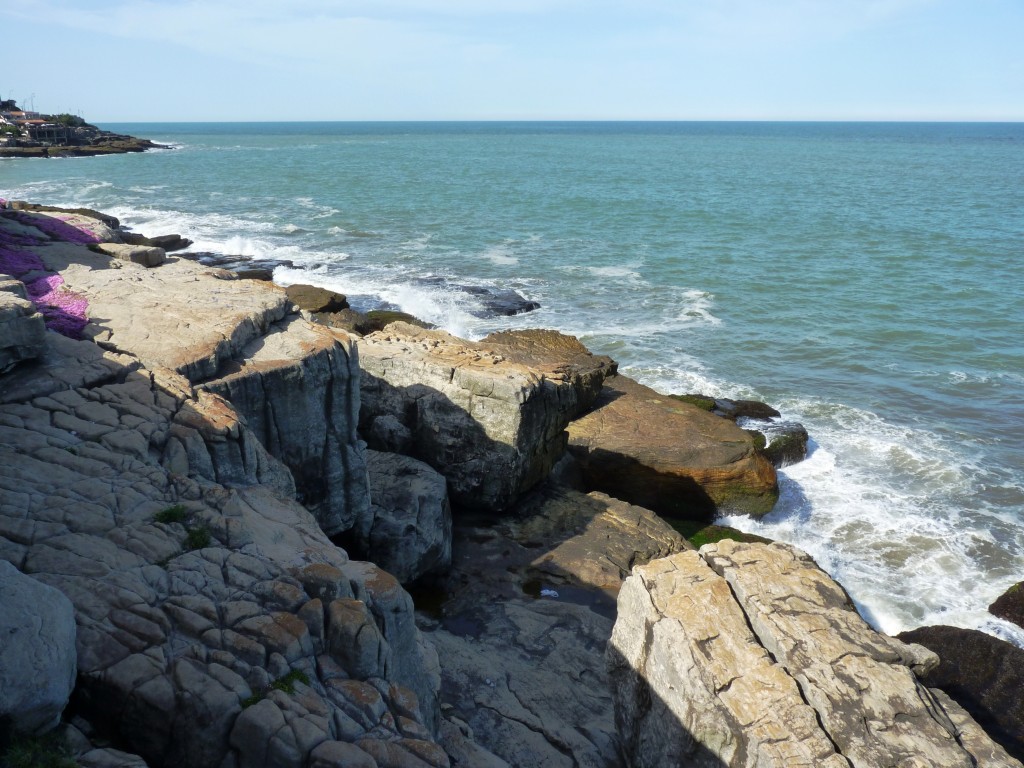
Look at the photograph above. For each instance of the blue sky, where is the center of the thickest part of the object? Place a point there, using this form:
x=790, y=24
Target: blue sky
x=156, y=60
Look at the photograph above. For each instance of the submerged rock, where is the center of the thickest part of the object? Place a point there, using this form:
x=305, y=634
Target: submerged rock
x=669, y=456
x=749, y=655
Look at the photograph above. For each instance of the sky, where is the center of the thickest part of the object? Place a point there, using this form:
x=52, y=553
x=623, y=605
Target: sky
x=259, y=60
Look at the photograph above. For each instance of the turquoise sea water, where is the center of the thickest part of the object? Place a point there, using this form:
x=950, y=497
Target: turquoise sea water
x=866, y=279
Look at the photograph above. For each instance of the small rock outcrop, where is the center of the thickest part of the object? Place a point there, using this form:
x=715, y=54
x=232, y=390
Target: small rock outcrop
x=409, y=533
x=314, y=299
x=492, y=426
x=749, y=655
x=669, y=456
x=1010, y=605
x=144, y=255
x=37, y=653
x=982, y=673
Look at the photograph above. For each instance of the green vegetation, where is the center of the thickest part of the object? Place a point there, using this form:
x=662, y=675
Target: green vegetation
x=73, y=121
x=11, y=130
x=699, y=533
x=198, y=538
x=175, y=514
x=46, y=751
x=285, y=684
x=702, y=402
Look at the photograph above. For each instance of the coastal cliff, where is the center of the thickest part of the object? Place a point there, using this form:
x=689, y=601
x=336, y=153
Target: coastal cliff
x=182, y=451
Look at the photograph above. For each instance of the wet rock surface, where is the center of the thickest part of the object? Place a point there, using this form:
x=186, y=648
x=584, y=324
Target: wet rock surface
x=984, y=674
x=1010, y=605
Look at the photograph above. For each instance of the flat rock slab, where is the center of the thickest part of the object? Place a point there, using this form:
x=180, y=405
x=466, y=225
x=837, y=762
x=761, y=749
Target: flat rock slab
x=182, y=316
x=749, y=655
x=669, y=456
x=22, y=328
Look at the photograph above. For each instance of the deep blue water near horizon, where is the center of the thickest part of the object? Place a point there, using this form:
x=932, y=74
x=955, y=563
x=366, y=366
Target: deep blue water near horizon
x=864, y=278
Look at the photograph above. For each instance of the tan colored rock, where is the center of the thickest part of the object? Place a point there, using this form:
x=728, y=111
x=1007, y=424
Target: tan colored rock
x=492, y=427
x=749, y=655
x=143, y=255
x=183, y=316
x=668, y=456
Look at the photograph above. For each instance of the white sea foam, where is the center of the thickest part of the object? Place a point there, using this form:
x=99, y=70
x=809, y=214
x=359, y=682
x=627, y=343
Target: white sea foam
x=876, y=505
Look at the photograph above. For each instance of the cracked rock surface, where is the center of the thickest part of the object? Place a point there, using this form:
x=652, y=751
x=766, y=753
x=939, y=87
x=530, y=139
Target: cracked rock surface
x=750, y=655
x=215, y=621
x=485, y=415
x=527, y=611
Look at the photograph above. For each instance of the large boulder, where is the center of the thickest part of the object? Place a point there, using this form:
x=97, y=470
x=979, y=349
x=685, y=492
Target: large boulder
x=144, y=255
x=409, y=531
x=37, y=654
x=984, y=674
x=22, y=328
x=315, y=299
x=298, y=389
x=749, y=655
x=669, y=456
x=494, y=427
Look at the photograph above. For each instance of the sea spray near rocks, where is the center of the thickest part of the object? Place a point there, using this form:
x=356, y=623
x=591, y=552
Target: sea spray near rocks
x=702, y=257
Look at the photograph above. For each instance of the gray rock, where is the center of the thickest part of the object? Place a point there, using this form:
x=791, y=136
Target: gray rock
x=298, y=389
x=410, y=530
x=37, y=655
x=22, y=329
x=492, y=426
x=143, y=255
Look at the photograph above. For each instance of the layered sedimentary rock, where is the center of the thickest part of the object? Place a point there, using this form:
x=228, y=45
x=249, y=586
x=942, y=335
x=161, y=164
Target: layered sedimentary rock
x=215, y=621
x=296, y=383
x=669, y=456
x=749, y=655
x=37, y=652
x=529, y=608
x=298, y=389
x=492, y=426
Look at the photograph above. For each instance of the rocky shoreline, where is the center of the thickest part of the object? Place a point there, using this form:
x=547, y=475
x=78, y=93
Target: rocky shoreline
x=234, y=533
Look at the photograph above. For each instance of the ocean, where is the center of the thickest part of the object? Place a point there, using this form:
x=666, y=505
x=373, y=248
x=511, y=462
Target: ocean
x=866, y=279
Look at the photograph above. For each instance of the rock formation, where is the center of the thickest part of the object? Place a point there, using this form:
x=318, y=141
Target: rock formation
x=749, y=655
x=984, y=674
x=669, y=456
x=492, y=426
x=526, y=610
x=37, y=653
x=409, y=530
x=1010, y=605
x=22, y=330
